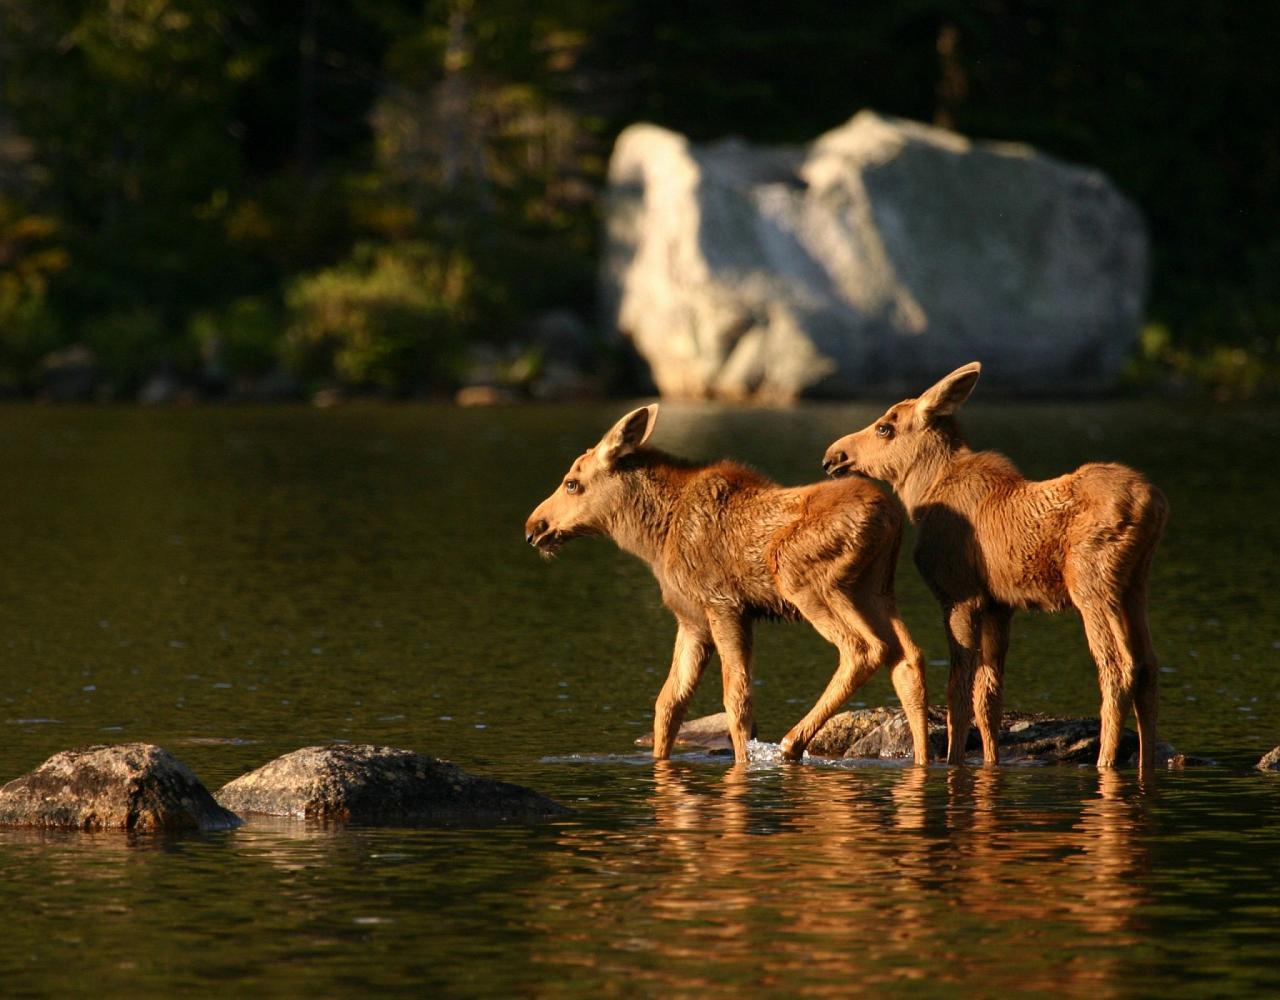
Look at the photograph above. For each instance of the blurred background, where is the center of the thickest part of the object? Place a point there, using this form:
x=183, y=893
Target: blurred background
x=220, y=198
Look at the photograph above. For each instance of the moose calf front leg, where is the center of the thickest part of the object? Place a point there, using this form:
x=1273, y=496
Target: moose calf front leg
x=732, y=636
x=688, y=660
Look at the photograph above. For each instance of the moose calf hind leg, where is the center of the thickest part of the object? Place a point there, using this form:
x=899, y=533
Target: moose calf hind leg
x=733, y=643
x=908, y=676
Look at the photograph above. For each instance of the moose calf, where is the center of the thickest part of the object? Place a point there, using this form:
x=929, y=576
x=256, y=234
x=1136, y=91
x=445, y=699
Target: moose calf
x=991, y=541
x=729, y=546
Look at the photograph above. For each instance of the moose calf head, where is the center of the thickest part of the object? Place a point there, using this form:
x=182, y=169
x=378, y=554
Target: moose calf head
x=592, y=492
x=910, y=434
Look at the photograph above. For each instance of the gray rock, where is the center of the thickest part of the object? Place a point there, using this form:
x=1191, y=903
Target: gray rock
x=881, y=255
x=883, y=732
x=164, y=388
x=133, y=786
x=1270, y=761
x=379, y=785
x=710, y=732
x=876, y=732
x=561, y=337
x=69, y=375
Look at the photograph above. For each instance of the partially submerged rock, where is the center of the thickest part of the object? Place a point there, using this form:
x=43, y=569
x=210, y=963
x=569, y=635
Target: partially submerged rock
x=1270, y=761
x=883, y=732
x=710, y=732
x=379, y=785
x=876, y=732
x=132, y=786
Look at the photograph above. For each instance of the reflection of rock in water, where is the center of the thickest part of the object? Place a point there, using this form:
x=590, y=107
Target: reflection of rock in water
x=379, y=784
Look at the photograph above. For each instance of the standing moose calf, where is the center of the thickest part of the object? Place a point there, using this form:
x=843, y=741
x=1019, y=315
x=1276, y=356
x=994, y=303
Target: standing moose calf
x=991, y=541
x=729, y=546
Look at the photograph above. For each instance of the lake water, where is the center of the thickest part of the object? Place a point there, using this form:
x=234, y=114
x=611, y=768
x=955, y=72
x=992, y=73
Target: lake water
x=233, y=584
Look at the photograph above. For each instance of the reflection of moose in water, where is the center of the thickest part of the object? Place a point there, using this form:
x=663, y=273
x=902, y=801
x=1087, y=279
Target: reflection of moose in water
x=729, y=546
x=834, y=880
x=991, y=541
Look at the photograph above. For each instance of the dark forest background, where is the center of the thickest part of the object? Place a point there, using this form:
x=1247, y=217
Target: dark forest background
x=272, y=197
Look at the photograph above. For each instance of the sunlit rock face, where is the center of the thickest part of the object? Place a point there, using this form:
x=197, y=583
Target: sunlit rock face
x=372, y=784
x=135, y=787
x=877, y=257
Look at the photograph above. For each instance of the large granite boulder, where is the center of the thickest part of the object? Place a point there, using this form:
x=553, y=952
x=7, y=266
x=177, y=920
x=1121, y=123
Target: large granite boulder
x=881, y=255
x=374, y=784
x=133, y=786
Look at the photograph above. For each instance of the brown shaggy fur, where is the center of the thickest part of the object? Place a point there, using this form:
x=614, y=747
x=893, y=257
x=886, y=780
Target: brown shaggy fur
x=728, y=546
x=991, y=541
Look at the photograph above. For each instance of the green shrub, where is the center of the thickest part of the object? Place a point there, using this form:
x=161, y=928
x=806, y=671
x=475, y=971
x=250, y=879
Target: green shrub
x=130, y=344
x=29, y=259
x=393, y=317
x=242, y=339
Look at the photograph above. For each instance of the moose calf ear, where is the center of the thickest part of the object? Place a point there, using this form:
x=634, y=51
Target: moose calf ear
x=944, y=397
x=627, y=434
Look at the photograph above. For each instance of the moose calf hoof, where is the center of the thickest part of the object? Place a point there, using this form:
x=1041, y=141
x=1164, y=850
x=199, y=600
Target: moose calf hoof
x=790, y=749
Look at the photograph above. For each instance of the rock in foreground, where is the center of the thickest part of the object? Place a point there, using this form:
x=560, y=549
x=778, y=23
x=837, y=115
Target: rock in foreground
x=881, y=255
x=133, y=786
x=1270, y=761
x=710, y=732
x=379, y=785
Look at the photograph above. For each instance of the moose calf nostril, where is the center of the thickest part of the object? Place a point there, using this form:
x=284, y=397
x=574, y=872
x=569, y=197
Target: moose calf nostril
x=835, y=458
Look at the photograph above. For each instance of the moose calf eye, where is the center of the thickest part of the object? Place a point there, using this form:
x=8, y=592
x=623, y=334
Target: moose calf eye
x=884, y=430
x=572, y=486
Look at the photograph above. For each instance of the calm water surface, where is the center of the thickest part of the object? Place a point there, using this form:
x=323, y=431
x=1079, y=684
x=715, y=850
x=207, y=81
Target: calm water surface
x=236, y=583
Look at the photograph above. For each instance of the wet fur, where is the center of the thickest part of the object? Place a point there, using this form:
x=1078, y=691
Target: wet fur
x=729, y=547
x=990, y=541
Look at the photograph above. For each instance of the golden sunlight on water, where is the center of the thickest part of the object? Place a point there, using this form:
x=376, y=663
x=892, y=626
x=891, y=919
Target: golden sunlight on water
x=236, y=583
x=815, y=880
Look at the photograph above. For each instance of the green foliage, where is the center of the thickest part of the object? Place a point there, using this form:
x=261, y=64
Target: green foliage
x=241, y=340
x=129, y=343
x=213, y=186
x=391, y=317
x=30, y=258
x=1222, y=371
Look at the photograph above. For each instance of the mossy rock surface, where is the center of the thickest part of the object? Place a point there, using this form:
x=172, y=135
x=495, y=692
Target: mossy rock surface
x=374, y=784
x=136, y=787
